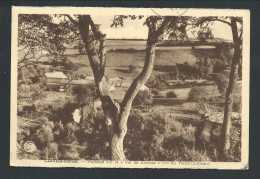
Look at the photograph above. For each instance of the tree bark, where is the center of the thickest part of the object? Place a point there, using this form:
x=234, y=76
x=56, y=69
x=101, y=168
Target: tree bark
x=230, y=90
x=121, y=126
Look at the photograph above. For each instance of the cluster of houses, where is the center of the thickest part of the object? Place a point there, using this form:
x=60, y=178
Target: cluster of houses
x=58, y=80
x=61, y=82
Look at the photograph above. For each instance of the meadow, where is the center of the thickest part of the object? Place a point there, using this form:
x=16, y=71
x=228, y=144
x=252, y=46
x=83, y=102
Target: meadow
x=122, y=53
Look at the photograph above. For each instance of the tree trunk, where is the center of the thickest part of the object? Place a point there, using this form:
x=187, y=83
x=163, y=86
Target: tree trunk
x=116, y=116
x=230, y=90
x=121, y=125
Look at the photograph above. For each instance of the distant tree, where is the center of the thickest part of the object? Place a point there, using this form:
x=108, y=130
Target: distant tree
x=204, y=66
x=204, y=34
x=224, y=53
x=171, y=94
x=222, y=81
x=85, y=95
x=236, y=26
x=143, y=98
x=132, y=68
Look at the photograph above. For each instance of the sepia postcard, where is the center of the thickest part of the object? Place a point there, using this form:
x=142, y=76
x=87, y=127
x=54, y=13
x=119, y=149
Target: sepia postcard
x=96, y=87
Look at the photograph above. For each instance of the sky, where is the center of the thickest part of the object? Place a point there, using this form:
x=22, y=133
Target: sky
x=134, y=29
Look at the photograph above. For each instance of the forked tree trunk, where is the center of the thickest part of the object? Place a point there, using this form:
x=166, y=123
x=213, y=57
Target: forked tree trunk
x=230, y=90
x=116, y=116
x=120, y=129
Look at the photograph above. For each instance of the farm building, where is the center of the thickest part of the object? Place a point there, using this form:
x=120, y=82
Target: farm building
x=81, y=82
x=56, y=79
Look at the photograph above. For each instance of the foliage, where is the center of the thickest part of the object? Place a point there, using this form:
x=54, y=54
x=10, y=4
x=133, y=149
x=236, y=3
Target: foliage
x=142, y=140
x=41, y=36
x=204, y=67
x=150, y=137
x=224, y=52
x=204, y=34
x=51, y=151
x=44, y=136
x=155, y=91
x=132, y=68
x=82, y=49
x=237, y=106
x=187, y=71
x=197, y=93
x=222, y=80
x=72, y=153
x=64, y=113
x=143, y=98
x=171, y=94
x=69, y=132
x=84, y=94
x=208, y=108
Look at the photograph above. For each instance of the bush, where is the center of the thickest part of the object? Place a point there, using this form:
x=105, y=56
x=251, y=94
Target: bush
x=51, y=151
x=69, y=132
x=155, y=91
x=132, y=68
x=204, y=66
x=171, y=94
x=44, y=135
x=144, y=137
x=84, y=94
x=197, y=93
x=143, y=98
x=222, y=82
x=82, y=76
x=237, y=107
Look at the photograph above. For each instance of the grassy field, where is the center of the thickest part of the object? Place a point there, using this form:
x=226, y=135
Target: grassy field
x=121, y=58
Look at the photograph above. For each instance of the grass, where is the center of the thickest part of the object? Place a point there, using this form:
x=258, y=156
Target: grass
x=119, y=58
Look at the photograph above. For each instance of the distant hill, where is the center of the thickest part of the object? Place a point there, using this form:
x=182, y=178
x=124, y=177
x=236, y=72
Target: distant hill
x=191, y=42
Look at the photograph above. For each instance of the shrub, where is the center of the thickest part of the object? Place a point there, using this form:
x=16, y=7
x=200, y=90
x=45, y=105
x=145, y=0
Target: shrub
x=143, y=98
x=171, y=94
x=197, y=93
x=44, y=135
x=69, y=133
x=204, y=108
x=132, y=68
x=84, y=94
x=155, y=91
x=71, y=153
x=237, y=107
x=145, y=135
x=82, y=76
x=222, y=82
x=51, y=151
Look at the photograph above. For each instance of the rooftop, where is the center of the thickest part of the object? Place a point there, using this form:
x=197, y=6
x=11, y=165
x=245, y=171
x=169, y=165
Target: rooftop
x=57, y=74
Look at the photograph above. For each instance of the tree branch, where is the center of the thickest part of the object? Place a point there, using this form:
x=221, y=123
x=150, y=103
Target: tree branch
x=72, y=20
x=220, y=20
x=163, y=25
